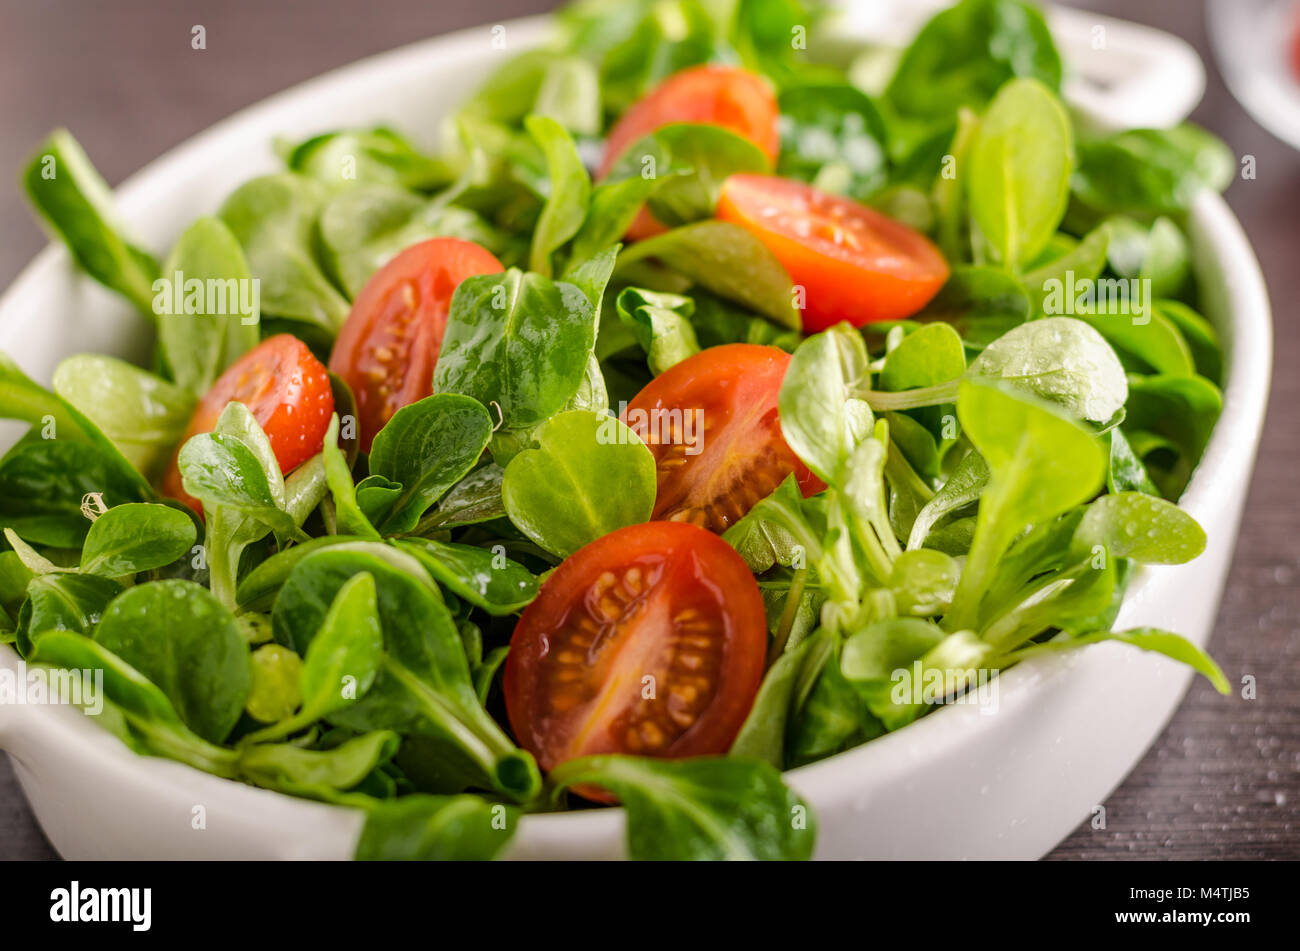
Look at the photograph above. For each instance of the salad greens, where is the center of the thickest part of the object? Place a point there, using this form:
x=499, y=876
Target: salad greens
x=991, y=470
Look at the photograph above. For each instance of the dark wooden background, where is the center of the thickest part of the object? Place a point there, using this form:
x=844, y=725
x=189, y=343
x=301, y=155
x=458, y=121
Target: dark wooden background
x=1223, y=781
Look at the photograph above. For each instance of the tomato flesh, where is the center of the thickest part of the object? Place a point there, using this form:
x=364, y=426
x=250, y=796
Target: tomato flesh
x=712, y=424
x=649, y=641
x=388, y=346
x=853, y=263
x=288, y=392
x=739, y=101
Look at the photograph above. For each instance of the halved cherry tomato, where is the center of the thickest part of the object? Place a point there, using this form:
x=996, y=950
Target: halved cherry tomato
x=288, y=392
x=389, y=344
x=664, y=601
x=728, y=96
x=854, y=263
x=711, y=422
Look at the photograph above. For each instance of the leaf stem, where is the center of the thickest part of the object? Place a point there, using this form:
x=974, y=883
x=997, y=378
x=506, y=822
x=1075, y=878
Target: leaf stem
x=792, y=600
x=883, y=401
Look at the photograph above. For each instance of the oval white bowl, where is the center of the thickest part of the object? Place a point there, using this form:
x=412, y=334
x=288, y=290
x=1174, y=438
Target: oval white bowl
x=960, y=783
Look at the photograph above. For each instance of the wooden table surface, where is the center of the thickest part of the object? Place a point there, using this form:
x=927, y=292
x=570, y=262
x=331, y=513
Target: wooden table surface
x=1223, y=781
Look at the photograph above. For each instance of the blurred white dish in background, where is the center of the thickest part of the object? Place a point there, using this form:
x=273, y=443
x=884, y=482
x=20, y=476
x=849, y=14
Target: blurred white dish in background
x=1252, y=42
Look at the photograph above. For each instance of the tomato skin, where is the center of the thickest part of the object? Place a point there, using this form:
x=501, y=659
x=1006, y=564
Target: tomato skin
x=854, y=263
x=288, y=392
x=387, y=348
x=661, y=599
x=711, y=474
x=736, y=99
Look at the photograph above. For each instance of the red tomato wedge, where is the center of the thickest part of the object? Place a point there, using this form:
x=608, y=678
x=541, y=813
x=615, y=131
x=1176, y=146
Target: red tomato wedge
x=650, y=641
x=288, y=392
x=389, y=344
x=711, y=422
x=854, y=263
x=737, y=100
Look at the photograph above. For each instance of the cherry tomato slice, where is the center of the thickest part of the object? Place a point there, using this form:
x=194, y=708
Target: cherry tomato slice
x=728, y=96
x=649, y=641
x=389, y=344
x=285, y=388
x=711, y=422
x=854, y=263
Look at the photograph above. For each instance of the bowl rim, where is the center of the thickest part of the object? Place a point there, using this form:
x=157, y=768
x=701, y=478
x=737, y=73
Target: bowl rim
x=1248, y=340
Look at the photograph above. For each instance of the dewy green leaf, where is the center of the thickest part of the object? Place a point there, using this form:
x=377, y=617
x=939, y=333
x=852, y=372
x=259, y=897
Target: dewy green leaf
x=353, y=158
x=75, y=202
x=1179, y=410
x=14, y=578
x=1141, y=527
x=873, y=658
x=1062, y=360
x=258, y=588
x=181, y=638
x=763, y=542
x=819, y=420
x=963, y=487
x=344, y=657
x=591, y=275
x=709, y=808
x=136, y=537
x=44, y=482
x=365, y=227
x=65, y=602
x=1147, y=638
x=274, y=218
x=338, y=474
x=566, y=207
x=965, y=54
x=33, y=560
x=1199, y=335
x=207, y=304
x=436, y=828
x=976, y=295
x=342, y=660
x=785, y=686
x=569, y=93
x=727, y=260
x=691, y=161
x=661, y=325
x=510, y=91
x=666, y=39
x=475, y=498
x=486, y=579
x=1151, y=171
x=424, y=686
x=317, y=773
x=1083, y=262
x=928, y=355
x=22, y=399
x=1018, y=182
x=143, y=415
x=833, y=128
x=611, y=211
x=519, y=340
x=1042, y=464
x=1126, y=473
x=234, y=473
x=151, y=715
x=1150, y=337
x=588, y=476
x=222, y=472
x=428, y=447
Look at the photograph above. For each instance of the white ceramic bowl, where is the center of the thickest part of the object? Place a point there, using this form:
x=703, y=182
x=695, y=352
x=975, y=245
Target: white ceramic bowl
x=955, y=784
